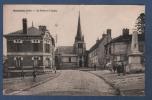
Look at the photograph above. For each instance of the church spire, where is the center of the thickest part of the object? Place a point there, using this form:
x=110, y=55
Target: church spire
x=79, y=32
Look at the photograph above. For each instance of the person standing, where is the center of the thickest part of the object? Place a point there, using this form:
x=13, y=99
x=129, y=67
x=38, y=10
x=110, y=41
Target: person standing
x=34, y=75
x=22, y=74
x=55, y=69
x=114, y=68
x=118, y=68
x=123, y=68
x=94, y=66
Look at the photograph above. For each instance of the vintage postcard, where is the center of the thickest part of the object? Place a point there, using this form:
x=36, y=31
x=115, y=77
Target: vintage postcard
x=73, y=50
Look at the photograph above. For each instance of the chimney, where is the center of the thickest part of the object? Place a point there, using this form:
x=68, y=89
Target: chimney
x=103, y=35
x=125, y=32
x=24, y=20
x=109, y=32
x=42, y=28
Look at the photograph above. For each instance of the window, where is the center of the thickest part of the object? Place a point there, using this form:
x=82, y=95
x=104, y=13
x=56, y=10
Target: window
x=95, y=52
x=47, y=48
x=69, y=59
x=35, y=43
x=18, y=61
x=80, y=45
x=35, y=61
x=18, y=44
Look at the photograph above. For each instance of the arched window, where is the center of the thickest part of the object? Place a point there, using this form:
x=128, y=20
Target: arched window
x=18, y=61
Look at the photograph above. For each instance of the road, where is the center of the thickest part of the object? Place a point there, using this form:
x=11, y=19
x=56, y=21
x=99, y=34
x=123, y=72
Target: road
x=72, y=83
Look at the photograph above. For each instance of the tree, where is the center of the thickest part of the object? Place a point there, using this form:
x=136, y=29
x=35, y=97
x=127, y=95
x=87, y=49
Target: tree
x=140, y=23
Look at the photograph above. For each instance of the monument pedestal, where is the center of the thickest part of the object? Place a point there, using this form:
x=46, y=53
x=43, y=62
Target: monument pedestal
x=135, y=62
x=135, y=55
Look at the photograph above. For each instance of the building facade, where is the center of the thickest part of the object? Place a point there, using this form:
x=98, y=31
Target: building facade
x=72, y=56
x=118, y=49
x=96, y=52
x=30, y=47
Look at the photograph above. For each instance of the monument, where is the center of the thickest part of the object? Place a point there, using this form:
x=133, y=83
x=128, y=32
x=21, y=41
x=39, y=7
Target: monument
x=135, y=55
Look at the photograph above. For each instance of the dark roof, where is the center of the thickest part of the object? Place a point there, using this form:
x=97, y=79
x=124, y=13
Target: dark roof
x=95, y=45
x=31, y=31
x=126, y=38
x=79, y=36
x=65, y=49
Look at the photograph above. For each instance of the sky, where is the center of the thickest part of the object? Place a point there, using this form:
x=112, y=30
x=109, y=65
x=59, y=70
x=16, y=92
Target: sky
x=62, y=20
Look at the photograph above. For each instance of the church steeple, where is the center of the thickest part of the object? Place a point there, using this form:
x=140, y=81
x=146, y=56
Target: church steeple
x=79, y=45
x=79, y=32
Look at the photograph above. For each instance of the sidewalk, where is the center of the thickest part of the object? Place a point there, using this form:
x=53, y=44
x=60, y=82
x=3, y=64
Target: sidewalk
x=87, y=69
x=128, y=85
x=14, y=85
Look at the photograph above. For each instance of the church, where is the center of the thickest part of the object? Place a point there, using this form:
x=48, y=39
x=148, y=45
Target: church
x=69, y=57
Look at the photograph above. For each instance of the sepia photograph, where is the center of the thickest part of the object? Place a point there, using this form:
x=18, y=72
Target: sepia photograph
x=73, y=50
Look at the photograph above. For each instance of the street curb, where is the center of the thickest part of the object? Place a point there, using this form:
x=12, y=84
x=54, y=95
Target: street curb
x=34, y=85
x=119, y=92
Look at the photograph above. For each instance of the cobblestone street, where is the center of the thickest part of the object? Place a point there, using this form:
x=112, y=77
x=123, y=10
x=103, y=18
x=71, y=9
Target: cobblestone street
x=73, y=83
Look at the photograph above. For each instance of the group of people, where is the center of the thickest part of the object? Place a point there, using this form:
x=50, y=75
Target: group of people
x=118, y=67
